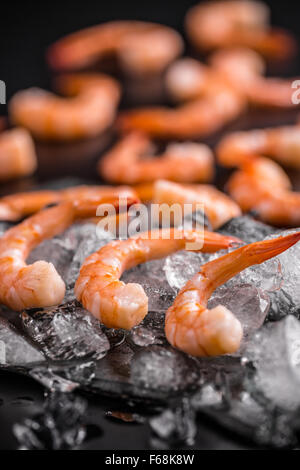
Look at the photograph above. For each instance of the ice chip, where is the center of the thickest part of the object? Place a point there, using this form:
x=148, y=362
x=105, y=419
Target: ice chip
x=275, y=353
x=66, y=332
x=14, y=348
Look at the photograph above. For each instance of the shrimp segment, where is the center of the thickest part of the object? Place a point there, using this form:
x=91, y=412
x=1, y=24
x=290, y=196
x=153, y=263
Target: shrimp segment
x=263, y=187
x=281, y=144
x=198, y=331
x=214, y=25
x=186, y=162
x=218, y=207
x=141, y=47
x=245, y=70
x=17, y=154
x=199, y=118
x=91, y=111
x=18, y=206
x=120, y=305
x=38, y=285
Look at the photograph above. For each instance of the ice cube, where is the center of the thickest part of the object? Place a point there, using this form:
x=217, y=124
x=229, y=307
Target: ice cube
x=275, y=353
x=163, y=369
x=66, y=332
x=150, y=331
x=14, y=349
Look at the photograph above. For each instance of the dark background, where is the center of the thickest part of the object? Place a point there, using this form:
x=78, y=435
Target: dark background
x=26, y=29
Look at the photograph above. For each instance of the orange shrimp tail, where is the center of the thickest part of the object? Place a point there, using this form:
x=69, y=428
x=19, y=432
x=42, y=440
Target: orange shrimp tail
x=214, y=242
x=223, y=269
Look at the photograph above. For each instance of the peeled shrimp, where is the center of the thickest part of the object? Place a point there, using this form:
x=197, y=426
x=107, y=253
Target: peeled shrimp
x=219, y=105
x=141, y=47
x=17, y=154
x=191, y=327
x=218, y=207
x=186, y=162
x=263, y=187
x=38, y=285
x=220, y=24
x=281, y=144
x=89, y=110
x=245, y=70
x=120, y=305
x=20, y=205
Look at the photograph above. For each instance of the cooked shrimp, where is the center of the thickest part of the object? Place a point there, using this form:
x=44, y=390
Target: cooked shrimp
x=200, y=118
x=89, y=113
x=263, y=187
x=281, y=144
x=20, y=205
x=17, y=154
x=245, y=69
x=219, y=24
x=218, y=207
x=38, y=285
x=141, y=47
x=185, y=162
x=191, y=327
x=120, y=305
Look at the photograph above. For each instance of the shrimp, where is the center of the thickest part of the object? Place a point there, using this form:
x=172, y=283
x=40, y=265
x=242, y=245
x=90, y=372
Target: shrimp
x=186, y=162
x=120, y=305
x=91, y=111
x=17, y=206
x=17, y=154
x=191, y=327
x=263, y=187
x=218, y=207
x=38, y=285
x=281, y=144
x=220, y=24
x=245, y=70
x=141, y=47
x=200, y=118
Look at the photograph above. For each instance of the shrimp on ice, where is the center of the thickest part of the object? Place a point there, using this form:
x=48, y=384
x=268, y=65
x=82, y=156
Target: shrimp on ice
x=218, y=207
x=17, y=154
x=129, y=162
x=234, y=23
x=120, y=305
x=89, y=110
x=141, y=47
x=263, y=187
x=281, y=144
x=219, y=105
x=245, y=70
x=20, y=205
x=191, y=327
x=38, y=285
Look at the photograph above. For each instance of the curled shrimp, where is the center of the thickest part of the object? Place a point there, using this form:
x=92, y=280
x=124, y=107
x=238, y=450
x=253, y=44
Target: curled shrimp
x=20, y=205
x=38, y=285
x=218, y=207
x=89, y=109
x=191, y=327
x=141, y=47
x=245, y=70
x=263, y=187
x=281, y=144
x=120, y=305
x=186, y=162
x=219, y=24
x=219, y=105
x=17, y=154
